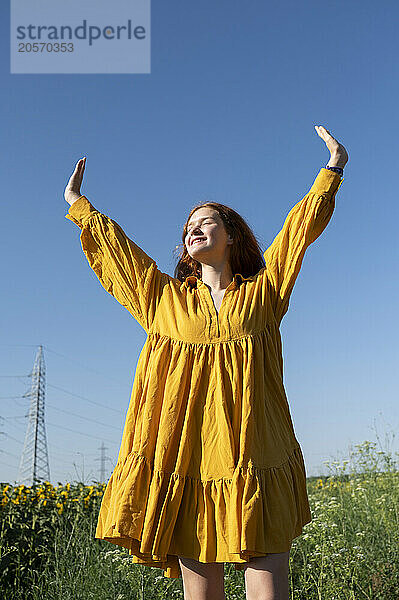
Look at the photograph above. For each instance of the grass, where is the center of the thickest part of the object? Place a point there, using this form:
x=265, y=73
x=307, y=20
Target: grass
x=350, y=550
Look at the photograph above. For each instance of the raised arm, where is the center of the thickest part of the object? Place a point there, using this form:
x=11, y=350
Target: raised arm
x=122, y=267
x=303, y=225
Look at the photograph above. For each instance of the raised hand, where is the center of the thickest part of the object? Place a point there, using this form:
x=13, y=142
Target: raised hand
x=338, y=154
x=72, y=190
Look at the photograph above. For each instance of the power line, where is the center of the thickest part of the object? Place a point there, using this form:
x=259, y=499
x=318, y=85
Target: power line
x=53, y=453
x=81, y=417
x=16, y=417
x=80, y=433
x=56, y=458
x=51, y=444
x=19, y=345
x=9, y=453
x=82, y=365
x=13, y=438
x=69, y=462
x=85, y=399
x=6, y=464
x=34, y=455
x=66, y=392
x=74, y=360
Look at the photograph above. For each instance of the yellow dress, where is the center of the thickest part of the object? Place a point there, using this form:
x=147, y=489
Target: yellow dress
x=209, y=466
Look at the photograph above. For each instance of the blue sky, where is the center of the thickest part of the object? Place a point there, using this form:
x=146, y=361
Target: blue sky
x=227, y=114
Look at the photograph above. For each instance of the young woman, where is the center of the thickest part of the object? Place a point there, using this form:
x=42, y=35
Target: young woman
x=209, y=469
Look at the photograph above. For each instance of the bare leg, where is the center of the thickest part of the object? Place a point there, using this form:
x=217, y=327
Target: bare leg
x=202, y=581
x=266, y=577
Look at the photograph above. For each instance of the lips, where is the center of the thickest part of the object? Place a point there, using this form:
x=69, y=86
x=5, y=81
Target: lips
x=198, y=240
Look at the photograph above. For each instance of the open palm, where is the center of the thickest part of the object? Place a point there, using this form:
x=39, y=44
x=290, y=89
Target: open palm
x=339, y=156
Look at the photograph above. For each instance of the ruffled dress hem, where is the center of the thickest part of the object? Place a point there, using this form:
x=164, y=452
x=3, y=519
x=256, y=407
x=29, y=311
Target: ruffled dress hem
x=159, y=516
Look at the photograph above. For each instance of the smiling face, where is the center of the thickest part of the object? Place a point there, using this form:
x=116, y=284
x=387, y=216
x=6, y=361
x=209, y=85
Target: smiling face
x=207, y=236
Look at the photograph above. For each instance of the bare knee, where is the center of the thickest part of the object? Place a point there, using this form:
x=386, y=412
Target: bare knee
x=266, y=577
x=202, y=581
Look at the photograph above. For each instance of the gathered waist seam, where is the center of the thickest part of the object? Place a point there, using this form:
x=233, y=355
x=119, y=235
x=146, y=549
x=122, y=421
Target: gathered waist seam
x=211, y=343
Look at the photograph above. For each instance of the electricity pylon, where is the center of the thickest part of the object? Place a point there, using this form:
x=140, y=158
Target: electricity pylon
x=34, y=465
x=102, y=460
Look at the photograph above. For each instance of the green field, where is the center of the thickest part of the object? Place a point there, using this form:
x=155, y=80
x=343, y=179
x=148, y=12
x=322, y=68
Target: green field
x=350, y=550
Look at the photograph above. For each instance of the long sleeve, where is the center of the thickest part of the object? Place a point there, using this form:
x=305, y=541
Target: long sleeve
x=303, y=225
x=123, y=268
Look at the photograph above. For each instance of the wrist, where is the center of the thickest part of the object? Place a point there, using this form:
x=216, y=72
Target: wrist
x=72, y=197
x=339, y=170
x=337, y=160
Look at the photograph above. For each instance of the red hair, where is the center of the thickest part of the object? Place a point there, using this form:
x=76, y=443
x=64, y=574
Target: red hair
x=246, y=256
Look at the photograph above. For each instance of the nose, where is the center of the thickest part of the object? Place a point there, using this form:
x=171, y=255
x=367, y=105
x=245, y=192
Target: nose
x=195, y=231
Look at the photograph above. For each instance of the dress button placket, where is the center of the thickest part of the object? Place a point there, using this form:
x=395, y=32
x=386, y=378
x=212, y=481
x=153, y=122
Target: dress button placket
x=213, y=313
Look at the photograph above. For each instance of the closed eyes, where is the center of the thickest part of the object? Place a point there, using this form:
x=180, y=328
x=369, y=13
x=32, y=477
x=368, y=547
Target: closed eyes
x=190, y=228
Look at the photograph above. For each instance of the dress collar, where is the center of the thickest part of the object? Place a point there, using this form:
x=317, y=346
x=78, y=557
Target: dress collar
x=192, y=280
